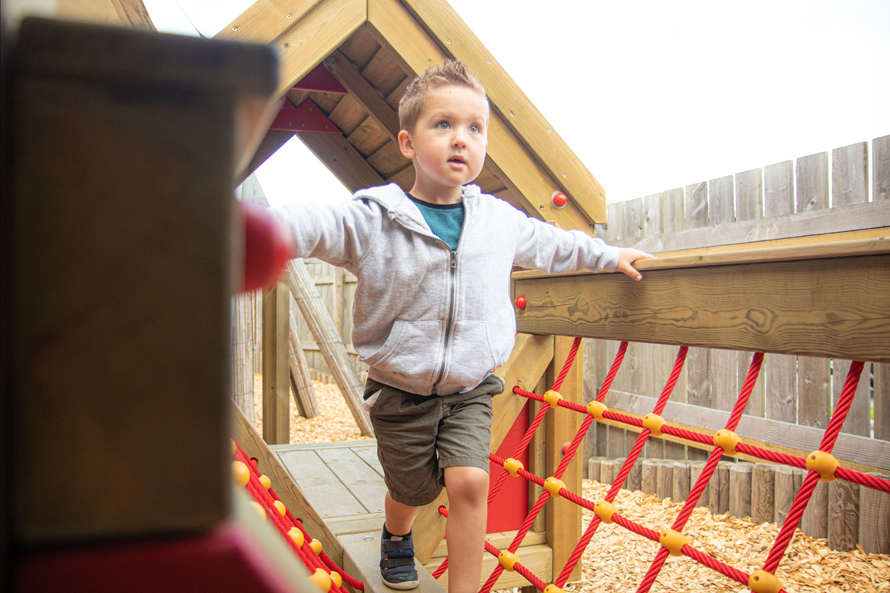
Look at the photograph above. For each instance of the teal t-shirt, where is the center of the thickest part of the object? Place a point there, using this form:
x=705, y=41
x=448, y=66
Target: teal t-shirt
x=445, y=220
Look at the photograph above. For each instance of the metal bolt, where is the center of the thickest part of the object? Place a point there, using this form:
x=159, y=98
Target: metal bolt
x=511, y=114
x=288, y=15
x=368, y=537
x=548, y=130
x=234, y=28
x=563, y=174
x=489, y=61
x=286, y=45
x=449, y=42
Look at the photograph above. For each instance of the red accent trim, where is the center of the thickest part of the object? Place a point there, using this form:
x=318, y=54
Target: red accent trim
x=308, y=117
x=321, y=80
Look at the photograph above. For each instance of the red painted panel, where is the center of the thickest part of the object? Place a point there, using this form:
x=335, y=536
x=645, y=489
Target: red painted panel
x=510, y=508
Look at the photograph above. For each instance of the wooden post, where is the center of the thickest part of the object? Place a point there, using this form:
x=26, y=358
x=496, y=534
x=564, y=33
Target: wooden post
x=763, y=493
x=695, y=470
x=634, y=479
x=681, y=481
x=843, y=515
x=815, y=517
x=788, y=480
x=609, y=470
x=719, y=488
x=649, y=479
x=276, y=370
x=242, y=353
x=593, y=468
x=874, y=527
x=330, y=342
x=740, y=489
x=564, y=518
x=664, y=487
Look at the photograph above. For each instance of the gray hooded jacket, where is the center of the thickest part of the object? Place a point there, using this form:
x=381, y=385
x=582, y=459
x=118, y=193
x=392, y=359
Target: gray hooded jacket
x=428, y=320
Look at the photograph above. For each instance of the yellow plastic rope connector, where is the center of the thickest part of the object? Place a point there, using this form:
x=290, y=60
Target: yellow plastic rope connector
x=322, y=579
x=507, y=560
x=596, y=410
x=297, y=535
x=316, y=546
x=653, y=422
x=552, y=398
x=553, y=589
x=761, y=581
x=513, y=466
x=604, y=510
x=336, y=578
x=279, y=506
x=240, y=473
x=553, y=486
x=727, y=440
x=265, y=481
x=823, y=464
x=673, y=541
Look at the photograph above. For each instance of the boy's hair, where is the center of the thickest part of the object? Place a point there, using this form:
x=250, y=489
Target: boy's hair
x=451, y=72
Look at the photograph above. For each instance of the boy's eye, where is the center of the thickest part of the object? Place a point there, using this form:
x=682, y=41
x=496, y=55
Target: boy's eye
x=474, y=128
x=442, y=125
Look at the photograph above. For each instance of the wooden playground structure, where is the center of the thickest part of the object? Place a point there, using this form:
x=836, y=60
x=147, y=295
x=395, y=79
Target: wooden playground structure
x=117, y=416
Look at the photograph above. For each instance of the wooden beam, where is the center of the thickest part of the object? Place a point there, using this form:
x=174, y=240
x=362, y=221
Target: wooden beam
x=302, y=35
x=564, y=517
x=770, y=301
x=528, y=362
x=362, y=91
x=395, y=28
x=516, y=110
x=343, y=160
x=134, y=14
x=269, y=464
x=276, y=367
x=854, y=452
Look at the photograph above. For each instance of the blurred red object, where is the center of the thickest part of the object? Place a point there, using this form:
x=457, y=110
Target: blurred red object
x=267, y=247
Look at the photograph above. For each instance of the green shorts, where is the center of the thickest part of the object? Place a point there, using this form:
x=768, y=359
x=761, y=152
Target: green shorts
x=418, y=436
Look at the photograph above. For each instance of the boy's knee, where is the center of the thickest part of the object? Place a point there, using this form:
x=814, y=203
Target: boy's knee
x=466, y=483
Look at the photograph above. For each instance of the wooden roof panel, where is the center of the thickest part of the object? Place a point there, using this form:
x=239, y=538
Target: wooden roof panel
x=368, y=137
x=388, y=159
x=348, y=114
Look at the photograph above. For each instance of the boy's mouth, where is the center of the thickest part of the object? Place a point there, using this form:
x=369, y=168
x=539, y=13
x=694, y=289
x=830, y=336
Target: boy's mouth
x=457, y=159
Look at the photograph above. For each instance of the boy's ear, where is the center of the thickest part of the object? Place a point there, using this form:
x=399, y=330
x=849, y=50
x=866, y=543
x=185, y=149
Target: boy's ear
x=406, y=145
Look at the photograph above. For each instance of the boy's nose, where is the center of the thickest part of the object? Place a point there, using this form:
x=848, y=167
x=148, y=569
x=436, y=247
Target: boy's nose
x=458, y=140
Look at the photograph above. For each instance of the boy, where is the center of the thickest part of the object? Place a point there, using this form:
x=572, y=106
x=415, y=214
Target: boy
x=433, y=316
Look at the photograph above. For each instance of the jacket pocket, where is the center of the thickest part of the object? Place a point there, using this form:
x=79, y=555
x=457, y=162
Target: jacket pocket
x=471, y=353
x=412, y=350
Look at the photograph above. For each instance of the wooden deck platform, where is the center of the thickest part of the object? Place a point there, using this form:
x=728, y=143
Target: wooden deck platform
x=343, y=482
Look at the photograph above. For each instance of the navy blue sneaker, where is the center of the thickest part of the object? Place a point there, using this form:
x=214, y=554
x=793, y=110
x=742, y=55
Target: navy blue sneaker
x=397, y=560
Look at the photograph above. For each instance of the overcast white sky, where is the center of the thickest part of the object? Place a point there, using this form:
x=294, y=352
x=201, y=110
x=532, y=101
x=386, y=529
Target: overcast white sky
x=653, y=95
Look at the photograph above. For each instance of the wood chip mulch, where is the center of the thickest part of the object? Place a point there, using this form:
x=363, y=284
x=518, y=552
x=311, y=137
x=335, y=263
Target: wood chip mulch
x=617, y=559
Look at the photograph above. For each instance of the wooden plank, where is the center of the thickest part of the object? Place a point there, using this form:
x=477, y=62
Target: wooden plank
x=696, y=205
x=664, y=487
x=880, y=154
x=825, y=307
x=134, y=14
x=500, y=540
x=843, y=515
x=849, y=175
x=397, y=30
x=285, y=487
x=300, y=379
x=740, y=489
x=360, y=524
x=874, y=526
x=793, y=229
x=814, y=391
x=788, y=480
x=719, y=488
x=242, y=353
x=778, y=189
x=564, y=518
x=362, y=480
x=276, y=367
x=812, y=182
x=361, y=560
x=369, y=455
x=269, y=145
x=763, y=493
x=320, y=485
x=721, y=202
x=723, y=370
x=855, y=452
x=749, y=195
x=362, y=91
x=781, y=387
x=508, y=100
x=266, y=20
x=882, y=402
x=859, y=417
x=814, y=521
x=333, y=349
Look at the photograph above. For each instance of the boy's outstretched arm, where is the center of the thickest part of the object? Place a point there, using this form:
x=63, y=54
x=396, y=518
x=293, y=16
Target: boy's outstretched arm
x=626, y=257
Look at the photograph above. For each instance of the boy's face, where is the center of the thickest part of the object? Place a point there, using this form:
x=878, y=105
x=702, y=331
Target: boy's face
x=448, y=143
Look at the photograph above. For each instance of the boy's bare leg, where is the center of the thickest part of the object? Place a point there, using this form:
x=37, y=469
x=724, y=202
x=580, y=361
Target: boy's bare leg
x=465, y=530
x=398, y=516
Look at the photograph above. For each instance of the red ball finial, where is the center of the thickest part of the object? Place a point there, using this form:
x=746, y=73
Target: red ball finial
x=520, y=302
x=559, y=199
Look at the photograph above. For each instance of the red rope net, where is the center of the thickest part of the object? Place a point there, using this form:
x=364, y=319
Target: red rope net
x=724, y=442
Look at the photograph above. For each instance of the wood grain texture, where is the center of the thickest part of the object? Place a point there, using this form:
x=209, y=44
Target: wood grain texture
x=276, y=365
x=812, y=182
x=874, y=535
x=881, y=163
x=740, y=489
x=826, y=307
x=814, y=521
x=778, y=189
x=843, y=515
x=849, y=175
